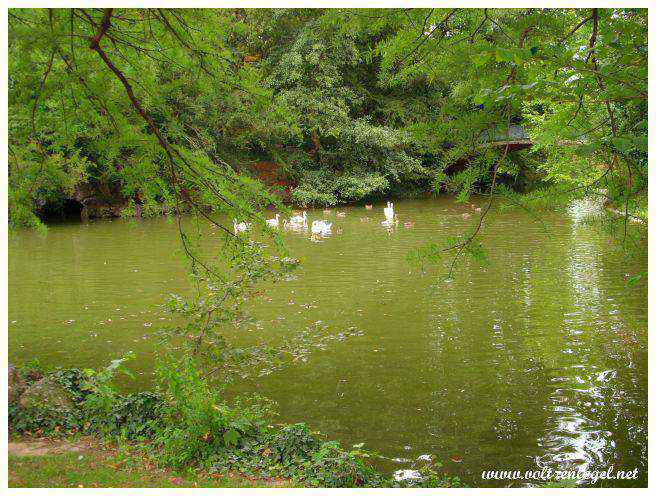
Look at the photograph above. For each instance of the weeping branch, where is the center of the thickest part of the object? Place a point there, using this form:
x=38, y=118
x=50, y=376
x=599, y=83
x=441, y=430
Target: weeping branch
x=40, y=90
x=460, y=247
x=170, y=151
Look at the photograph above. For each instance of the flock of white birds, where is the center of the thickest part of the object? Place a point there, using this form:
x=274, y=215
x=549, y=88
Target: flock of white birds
x=299, y=222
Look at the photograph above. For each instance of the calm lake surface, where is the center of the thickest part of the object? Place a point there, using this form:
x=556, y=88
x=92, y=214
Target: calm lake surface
x=539, y=358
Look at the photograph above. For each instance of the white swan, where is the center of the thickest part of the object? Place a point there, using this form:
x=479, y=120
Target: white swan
x=299, y=219
x=321, y=227
x=240, y=226
x=389, y=212
x=390, y=218
x=274, y=222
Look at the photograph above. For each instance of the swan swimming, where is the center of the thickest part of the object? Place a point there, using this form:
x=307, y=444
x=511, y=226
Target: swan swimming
x=390, y=218
x=274, y=222
x=321, y=227
x=240, y=226
x=299, y=219
x=389, y=212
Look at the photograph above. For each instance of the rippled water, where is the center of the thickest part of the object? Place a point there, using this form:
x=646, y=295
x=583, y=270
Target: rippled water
x=539, y=358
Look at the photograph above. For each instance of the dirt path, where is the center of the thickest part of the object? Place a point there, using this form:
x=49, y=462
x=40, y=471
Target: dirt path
x=45, y=446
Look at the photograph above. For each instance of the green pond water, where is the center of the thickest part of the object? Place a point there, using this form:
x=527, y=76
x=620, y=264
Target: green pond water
x=538, y=359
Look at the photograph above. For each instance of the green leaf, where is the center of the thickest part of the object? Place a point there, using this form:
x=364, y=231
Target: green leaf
x=504, y=55
x=230, y=437
x=633, y=280
x=622, y=143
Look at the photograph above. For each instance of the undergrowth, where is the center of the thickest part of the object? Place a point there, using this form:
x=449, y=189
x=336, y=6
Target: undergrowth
x=187, y=423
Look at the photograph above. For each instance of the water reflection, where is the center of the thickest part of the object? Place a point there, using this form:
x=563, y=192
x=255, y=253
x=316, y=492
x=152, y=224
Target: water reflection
x=584, y=435
x=538, y=358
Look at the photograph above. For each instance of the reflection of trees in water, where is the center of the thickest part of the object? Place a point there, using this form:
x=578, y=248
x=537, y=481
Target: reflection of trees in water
x=530, y=363
x=516, y=348
x=576, y=440
x=489, y=386
x=598, y=413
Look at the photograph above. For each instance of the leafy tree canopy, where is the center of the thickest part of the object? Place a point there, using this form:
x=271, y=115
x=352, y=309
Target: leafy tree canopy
x=157, y=110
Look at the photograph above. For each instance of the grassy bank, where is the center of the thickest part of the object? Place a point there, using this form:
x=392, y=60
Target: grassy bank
x=84, y=463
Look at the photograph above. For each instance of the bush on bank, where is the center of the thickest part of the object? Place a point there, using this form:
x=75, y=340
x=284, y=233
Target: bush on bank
x=186, y=423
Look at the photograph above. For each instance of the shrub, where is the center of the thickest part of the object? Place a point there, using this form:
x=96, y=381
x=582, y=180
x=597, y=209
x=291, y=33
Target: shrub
x=133, y=416
x=102, y=395
x=196, y=424
x=47, y=404
x=191, y=424
x=43, y=420
x=75, y=381
x=316, y=187
x=331, y=466
x=65, y=400
x=31, y=371
x=293, y=443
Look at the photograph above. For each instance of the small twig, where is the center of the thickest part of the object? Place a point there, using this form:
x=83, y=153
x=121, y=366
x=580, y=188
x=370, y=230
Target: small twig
x=40, y=90
x=575, y=28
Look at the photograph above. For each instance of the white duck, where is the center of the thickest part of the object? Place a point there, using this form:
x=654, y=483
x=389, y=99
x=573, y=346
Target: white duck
x=299, y=219
x=240, y=226
x=321, y=227
x=275, y=222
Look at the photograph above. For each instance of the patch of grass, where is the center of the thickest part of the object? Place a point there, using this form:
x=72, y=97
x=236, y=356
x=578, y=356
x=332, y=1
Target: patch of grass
x=97, y=470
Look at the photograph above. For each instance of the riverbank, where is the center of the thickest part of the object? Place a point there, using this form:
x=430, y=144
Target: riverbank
x=86, y=462
x=183, y=427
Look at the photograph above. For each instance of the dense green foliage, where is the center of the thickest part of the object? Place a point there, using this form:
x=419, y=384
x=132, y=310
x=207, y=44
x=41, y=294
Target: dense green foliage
x=187, y=423
x=137, y=112
x=351, y=104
